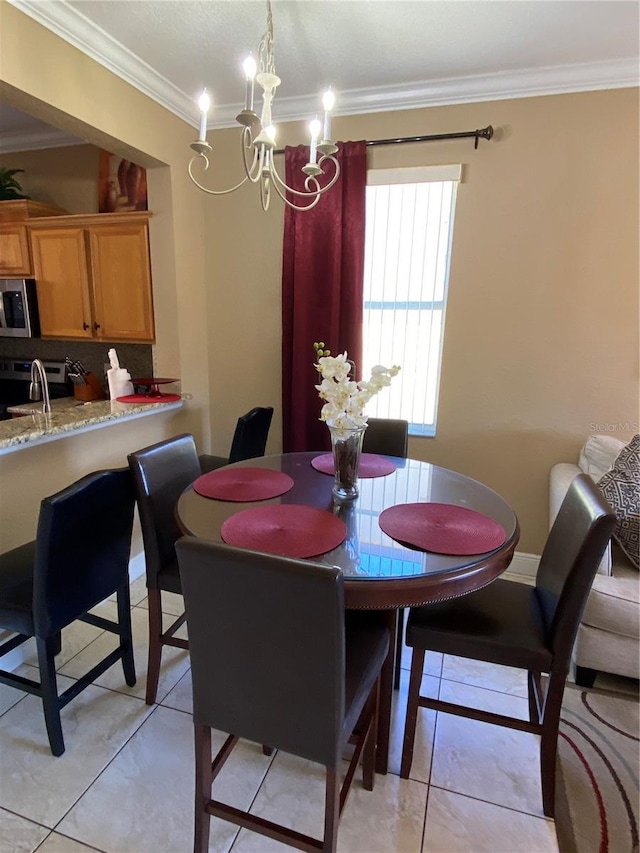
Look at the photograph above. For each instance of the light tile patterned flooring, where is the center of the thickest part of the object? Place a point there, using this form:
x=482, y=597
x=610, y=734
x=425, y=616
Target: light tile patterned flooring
x=125, y=782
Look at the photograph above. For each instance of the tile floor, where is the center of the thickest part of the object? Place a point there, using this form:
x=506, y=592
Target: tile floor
x=125, y=782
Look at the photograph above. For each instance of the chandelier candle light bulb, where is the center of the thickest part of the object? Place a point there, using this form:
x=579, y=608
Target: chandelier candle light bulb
x=250, y=69
x=257, y=140
x=204, y=102
x=328, y=103
x=314, y=130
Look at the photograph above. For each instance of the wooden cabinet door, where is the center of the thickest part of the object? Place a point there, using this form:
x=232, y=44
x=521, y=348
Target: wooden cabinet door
x=15, y=261
x=121, y=279
x=60, y=266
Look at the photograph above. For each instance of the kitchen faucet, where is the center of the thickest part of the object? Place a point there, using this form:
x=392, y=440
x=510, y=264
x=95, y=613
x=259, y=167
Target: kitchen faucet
x=38, y=378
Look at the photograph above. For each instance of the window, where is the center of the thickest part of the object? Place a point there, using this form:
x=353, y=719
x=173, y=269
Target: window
x=409, y=226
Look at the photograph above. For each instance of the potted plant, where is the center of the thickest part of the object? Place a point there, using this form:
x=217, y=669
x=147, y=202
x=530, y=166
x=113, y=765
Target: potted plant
x=9, y=187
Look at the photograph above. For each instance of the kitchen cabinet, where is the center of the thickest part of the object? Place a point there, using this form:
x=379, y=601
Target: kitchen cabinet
x=15, y=254
x=15, y=259
x=93, y=277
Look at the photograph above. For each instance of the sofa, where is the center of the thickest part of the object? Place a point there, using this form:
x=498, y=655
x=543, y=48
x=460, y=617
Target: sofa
x=608, y=638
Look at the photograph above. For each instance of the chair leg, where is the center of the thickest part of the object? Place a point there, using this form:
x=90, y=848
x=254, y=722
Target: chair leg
x=49, y=687
x=417, y=665
x=57, y=643
x=549, y=742
x=534, y=691
x=388, y=619
x=155, y=646
x=369, y=751
x=585, y=676
x=204, y=780
x=331, y=811
x=399, y=644
x=126, y=639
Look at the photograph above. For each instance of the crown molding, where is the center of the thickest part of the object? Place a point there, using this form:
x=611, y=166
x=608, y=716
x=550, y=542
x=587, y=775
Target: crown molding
x=37, y=139
x=528, y=83
x=78, y=30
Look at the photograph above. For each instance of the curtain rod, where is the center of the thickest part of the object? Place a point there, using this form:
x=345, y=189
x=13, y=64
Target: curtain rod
x=482, y=133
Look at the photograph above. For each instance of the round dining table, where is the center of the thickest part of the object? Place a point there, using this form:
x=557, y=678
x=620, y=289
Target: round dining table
x=380, y=573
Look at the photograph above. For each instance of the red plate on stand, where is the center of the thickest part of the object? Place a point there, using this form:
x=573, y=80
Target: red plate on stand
x=152, y=384
x=153, y=394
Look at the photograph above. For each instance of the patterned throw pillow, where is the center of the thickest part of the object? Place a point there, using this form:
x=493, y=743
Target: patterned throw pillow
x=621, y=487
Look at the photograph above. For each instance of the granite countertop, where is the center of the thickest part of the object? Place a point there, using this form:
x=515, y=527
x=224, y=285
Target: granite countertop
x=68, y=415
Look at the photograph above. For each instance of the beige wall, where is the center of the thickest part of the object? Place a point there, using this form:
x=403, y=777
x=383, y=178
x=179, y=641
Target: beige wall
x=66, y=177
x=541, y=339
x=86, y=100
x=29, y=474
x=542, y=327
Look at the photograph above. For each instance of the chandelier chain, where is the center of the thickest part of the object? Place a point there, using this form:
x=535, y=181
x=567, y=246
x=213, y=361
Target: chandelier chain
x=267, y=46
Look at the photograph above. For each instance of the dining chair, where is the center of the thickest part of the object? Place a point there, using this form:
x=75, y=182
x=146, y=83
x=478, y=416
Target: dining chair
x=80, y=557
x=389, y=437
x=527, y=627
x=161, y=473
x=249, y=439
x=300, y=674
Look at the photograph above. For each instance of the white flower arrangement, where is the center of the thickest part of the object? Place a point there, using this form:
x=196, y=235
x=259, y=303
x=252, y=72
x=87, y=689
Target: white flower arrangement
x=345, y=398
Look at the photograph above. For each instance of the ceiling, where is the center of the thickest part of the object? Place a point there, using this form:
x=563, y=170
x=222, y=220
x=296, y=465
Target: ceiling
x=377, y=54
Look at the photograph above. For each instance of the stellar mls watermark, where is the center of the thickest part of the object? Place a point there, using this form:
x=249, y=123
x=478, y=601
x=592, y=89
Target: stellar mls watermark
x=619, y=426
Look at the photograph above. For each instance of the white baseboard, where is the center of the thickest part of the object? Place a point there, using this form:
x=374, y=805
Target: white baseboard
x=523, y=567
x=136, y=566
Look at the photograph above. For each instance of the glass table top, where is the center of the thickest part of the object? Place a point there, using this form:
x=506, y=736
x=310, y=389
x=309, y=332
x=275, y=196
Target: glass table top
x=367, y=553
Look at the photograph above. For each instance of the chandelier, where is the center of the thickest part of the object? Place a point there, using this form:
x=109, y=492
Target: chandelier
x=258, y=137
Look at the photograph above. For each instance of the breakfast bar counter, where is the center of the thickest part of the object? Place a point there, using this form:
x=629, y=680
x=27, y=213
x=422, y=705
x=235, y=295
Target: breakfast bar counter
x=68, y=415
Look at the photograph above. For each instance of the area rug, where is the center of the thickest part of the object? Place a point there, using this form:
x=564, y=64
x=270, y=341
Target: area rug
x=597, y=792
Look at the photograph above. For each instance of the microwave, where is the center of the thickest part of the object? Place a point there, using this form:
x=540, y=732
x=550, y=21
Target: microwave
x=19, y=308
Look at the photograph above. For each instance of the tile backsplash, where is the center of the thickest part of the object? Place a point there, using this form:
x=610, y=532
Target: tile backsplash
x=137, y=358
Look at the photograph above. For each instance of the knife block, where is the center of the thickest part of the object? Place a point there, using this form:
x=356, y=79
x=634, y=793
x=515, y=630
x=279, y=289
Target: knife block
x=93, y=390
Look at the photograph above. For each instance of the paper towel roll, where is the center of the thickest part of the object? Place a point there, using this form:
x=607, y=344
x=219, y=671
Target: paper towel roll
x=119, y=381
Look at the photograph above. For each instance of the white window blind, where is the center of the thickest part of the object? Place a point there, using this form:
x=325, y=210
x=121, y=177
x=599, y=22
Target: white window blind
x=409, y=226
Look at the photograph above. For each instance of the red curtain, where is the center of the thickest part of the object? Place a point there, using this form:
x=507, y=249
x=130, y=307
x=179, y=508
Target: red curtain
x=322, y=288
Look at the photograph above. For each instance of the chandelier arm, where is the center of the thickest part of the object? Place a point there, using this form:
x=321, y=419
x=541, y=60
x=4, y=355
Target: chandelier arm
x=336, y=167
x=314, y=196
x=265, y=192
x=252, y=173
x=307, y=192
x=205, y=189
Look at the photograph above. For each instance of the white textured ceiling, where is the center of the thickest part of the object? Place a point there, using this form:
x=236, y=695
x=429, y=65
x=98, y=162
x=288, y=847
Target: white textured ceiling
x=377, y=54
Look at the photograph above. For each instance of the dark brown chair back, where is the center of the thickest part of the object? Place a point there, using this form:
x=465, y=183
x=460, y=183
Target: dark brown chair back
x=386, y=436
x=250, y=437
x=266, y=638
x=569, y=562
x=82, y=548
x=161, y=473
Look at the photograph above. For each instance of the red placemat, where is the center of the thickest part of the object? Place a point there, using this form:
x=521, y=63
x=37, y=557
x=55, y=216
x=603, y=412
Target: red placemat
x=442, y=528
x=243, y=484
x=290, y=530
x=146, y=398
x=371, y=465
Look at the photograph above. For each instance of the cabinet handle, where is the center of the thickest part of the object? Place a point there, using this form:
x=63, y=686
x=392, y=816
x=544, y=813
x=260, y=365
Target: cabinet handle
x=85, y=326
x=96, y=326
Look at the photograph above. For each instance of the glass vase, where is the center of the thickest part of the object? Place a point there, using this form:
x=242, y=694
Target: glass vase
x=346, y=446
